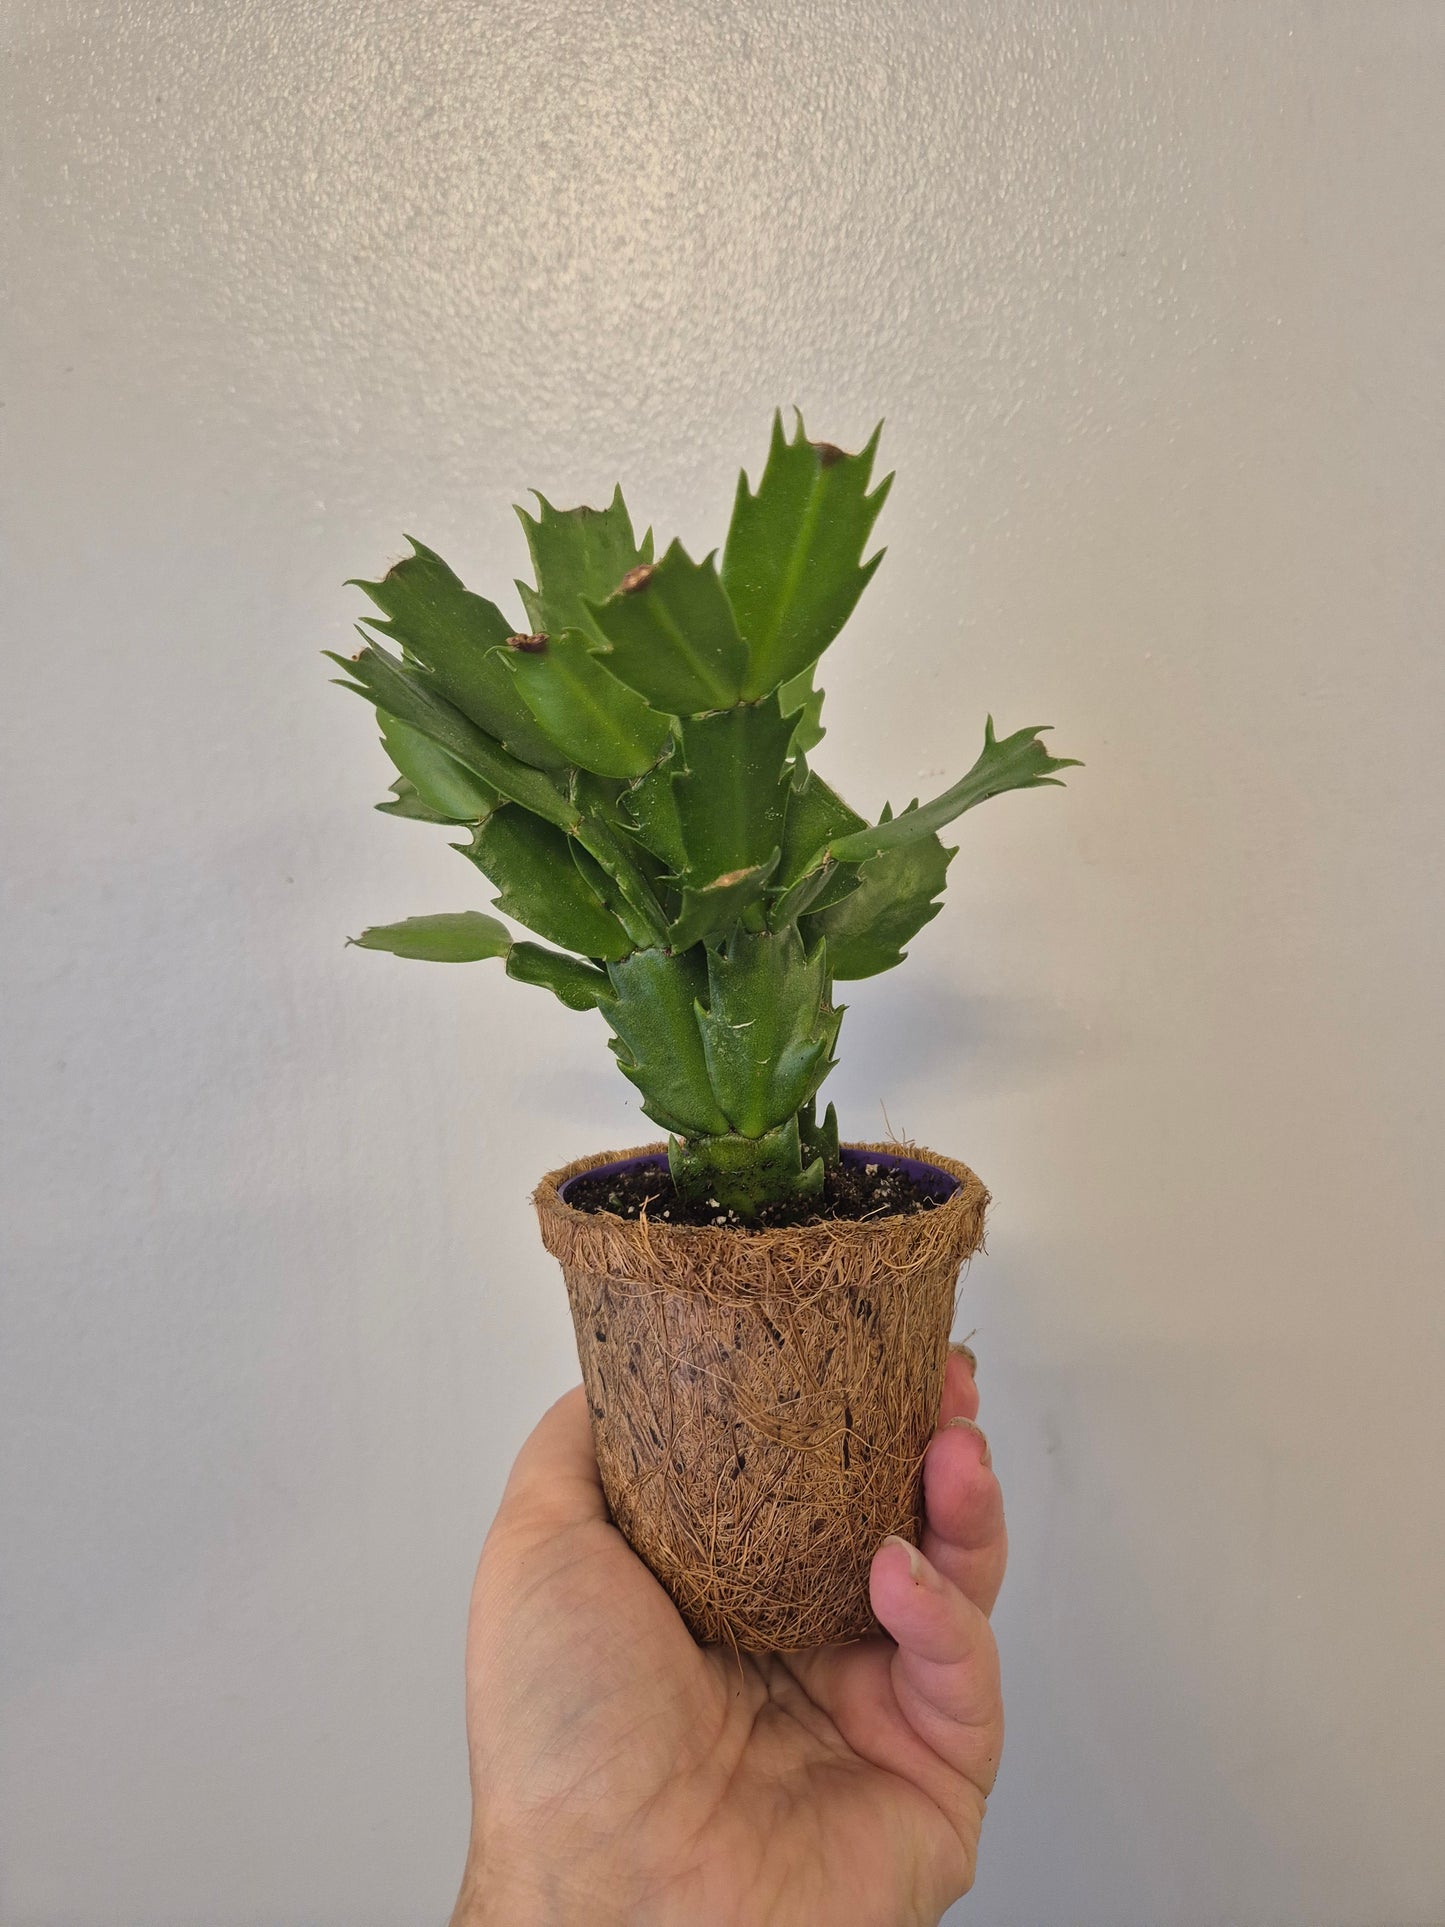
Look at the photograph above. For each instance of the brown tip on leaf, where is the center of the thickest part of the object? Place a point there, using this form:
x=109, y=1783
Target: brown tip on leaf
x=828, y=453
x=635, y=579
x=527, y=645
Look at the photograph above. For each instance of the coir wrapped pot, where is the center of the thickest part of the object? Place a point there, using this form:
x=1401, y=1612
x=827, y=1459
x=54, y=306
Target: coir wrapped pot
x=761, y=1400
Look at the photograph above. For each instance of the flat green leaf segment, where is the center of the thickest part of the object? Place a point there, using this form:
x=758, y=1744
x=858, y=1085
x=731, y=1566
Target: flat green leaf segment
x=632, y=778
x=598, y=722
x=406, y=694
x=768, y=1030
x=580, y=986
x=404, y=801
x=816, y=815
x=578, y=556
x=650, y=808
x=715, y=909
x=466, y=936
x=672, y=635
x=865, y=930
x=804, y=705
x=1019, y=762
x=732, y=791
x=808, y=877
x=728, y=1041
x=441, y=624
x=532, y=865
x=791, y=567
x=463, y=937
x=744, y=1174
x=450, y=792
x=652, y=1014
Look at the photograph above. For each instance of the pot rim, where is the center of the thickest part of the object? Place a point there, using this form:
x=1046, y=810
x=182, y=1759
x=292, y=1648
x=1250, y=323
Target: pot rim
x=965, y=1194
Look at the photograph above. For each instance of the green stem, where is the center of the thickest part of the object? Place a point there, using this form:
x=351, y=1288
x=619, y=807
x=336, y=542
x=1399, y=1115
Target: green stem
x=746, y=1174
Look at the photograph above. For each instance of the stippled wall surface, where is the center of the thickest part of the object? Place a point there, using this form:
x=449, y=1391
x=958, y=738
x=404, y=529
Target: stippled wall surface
x=1150, y=298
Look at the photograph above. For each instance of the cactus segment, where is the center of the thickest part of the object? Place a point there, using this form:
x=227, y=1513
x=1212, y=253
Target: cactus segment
x=531, y=863
x=580, y=986
x=598, y=722
x=732, y=792
x=672, y=636
x=577, y=554
x=791, y=564
x=1019, y=762
x=405, y=693
x=652, y=1014
x=709, y=913
x=819, y=1140
x=743, y=1175
x=468, y=937
x=803, y=705
x=450, y=792
x=768, y=1028
x=443, y=626
x=651, y=806
x=462, y=936
x=896, y=894
x=405, y=801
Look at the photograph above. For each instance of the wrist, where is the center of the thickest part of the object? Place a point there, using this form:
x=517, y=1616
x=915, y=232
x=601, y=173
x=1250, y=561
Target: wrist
x=495, y=1894
x=487, y=1900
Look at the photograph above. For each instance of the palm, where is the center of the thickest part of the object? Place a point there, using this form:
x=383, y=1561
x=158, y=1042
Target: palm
x=804, y=1787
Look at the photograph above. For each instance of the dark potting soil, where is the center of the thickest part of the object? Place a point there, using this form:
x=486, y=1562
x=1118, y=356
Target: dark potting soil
x=849, y=1191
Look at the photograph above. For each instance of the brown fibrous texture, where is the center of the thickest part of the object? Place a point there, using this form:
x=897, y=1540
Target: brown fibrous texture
x=762, y=1400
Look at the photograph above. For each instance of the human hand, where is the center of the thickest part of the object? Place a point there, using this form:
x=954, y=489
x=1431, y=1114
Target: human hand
x=623, y=1774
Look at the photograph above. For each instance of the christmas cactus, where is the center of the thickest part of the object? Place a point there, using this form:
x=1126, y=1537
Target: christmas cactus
x=633, y=777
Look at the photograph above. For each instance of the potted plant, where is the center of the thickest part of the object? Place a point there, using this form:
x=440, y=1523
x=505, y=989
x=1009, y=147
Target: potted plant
x=762, y=1314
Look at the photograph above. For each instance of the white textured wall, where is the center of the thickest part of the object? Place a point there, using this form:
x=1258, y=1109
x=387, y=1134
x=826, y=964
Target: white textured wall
x=1151, y=298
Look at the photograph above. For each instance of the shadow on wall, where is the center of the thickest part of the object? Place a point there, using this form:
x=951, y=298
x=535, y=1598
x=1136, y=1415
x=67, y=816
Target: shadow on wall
x=895, y=1036
x=1147, y=1629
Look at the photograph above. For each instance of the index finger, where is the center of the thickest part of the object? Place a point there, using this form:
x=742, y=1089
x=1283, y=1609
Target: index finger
x=960, y=1387
x=964, y=1533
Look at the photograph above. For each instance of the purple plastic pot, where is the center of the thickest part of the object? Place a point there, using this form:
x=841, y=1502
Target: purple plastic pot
x=936, y=1184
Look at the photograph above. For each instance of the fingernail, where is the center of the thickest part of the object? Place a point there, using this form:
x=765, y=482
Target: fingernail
x=919, y=1570
x=966, y=1351
x=967, y=1425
